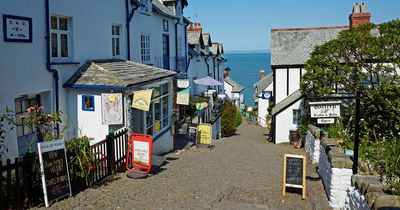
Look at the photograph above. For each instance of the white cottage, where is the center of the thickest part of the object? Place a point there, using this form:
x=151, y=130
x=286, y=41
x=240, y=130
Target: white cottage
x=233, y=90
x=290, y=49
x=263, y=93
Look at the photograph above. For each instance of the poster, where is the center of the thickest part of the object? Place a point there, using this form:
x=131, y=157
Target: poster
x=141, y=153
x=142, y=99
x=54, y=169
x=204, y=133
x=112, y=108
x=182, y=97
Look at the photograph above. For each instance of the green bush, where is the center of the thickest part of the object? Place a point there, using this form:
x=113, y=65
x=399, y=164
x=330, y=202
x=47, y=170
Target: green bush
x=229, y=122
x=238, y=117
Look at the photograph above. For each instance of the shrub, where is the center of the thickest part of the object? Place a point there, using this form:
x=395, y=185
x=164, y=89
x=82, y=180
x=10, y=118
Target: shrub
x=229, y=122
x=238, y=117
x=82, y=158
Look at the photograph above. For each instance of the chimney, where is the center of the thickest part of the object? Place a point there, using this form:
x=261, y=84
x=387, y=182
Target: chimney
x=360, y=15
x=194, y=27
x=262, y=74
x=226, y=73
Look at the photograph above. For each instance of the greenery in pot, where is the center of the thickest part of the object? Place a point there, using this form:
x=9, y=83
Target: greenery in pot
x=82, y=161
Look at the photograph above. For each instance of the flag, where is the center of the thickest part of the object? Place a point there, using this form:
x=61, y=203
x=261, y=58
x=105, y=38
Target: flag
x=142, y=99
x=182, y=97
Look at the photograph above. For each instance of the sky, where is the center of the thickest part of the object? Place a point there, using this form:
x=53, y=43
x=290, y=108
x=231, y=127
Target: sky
x=245, y=25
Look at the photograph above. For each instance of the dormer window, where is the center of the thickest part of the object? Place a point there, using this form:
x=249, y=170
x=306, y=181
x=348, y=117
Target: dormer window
x=144, y=5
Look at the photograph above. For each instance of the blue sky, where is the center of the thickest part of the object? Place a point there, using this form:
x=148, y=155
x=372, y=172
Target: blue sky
x=246, y=25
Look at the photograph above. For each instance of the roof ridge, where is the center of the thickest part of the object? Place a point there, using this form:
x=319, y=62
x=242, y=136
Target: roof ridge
x=308, y=28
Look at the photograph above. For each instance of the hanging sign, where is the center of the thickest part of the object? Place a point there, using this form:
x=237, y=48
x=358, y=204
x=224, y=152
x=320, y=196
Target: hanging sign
x=111, y=104
x=182, y=83
x=182, y=97
x=139, y=153
x=142, y=99
x=326, y=120
x=294, y=173
x=54, y=168
x=266, y=95
x=204, y=134
x=325, y=109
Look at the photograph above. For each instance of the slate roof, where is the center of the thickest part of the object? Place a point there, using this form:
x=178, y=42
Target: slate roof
x=160, y=8
x=262, y=84
x=195, y=37
x=115, y=73
x=207, y=39
x=215, y=48
x=293, y=46
x=221, y=48
x=236, y=88
x=285, y=103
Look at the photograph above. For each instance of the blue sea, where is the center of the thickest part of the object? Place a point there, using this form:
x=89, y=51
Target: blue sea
x=245, y=70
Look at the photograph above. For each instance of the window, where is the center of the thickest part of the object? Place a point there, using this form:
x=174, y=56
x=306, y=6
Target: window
x=87, y=103
x=116, y=37
x=296, y=116
x=145, y=48
x=21, y=113
x=60, y=38
x=158, y=116
x=165, y=25
x=144, y=5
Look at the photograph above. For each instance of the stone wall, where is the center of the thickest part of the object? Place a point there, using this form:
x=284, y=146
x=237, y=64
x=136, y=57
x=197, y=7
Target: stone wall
x=334, y=167
x=366, y=192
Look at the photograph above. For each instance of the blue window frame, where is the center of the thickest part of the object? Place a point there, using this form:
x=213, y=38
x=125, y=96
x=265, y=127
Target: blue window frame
x=88, y=103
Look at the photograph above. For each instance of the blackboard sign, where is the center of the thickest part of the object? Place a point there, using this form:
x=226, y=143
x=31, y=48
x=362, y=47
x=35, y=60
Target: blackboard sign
x=54, y=168
x=294, y=172
x=192, y=130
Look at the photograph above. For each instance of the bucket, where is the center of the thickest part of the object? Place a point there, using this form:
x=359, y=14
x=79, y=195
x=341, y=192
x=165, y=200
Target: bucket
x=293, y=136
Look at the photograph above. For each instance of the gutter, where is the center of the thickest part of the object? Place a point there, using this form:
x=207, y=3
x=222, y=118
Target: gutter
x=129, y=16
x=208, y=66
x=187, y=65
x=176, y=43
x=48, y=63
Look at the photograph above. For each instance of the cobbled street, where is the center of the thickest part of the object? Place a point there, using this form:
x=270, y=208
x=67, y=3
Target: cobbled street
x=240, y=172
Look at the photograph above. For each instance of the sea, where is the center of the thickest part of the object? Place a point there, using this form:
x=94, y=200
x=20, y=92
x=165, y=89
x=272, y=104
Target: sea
x=245, y=70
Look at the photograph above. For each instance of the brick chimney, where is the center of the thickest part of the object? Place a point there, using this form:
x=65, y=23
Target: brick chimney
x=262, y=74
x=360, y=15
x=194, y=27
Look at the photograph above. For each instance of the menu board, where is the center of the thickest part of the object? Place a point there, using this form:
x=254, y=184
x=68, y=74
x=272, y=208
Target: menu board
x=294, y=172
x=54, y=168
x=192, y=130
x=204, y=134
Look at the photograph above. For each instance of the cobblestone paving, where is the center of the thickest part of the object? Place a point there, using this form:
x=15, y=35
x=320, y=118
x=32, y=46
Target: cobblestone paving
x=240, y=172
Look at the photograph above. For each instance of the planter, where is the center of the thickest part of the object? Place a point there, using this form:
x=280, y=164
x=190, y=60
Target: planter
x=293, y=136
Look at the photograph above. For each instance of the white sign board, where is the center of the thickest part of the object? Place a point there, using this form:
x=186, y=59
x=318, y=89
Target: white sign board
x=326, y=120
x=325, y=109
x=141, y=153
x=182, y=83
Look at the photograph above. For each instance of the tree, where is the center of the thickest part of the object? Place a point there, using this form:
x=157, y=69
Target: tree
x=364, y=60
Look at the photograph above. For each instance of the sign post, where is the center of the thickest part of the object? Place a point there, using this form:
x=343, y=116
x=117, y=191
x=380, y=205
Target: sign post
x=54, y=168
x=139, y=153
x=294, y=173
x=204, y=134
x=192, y=131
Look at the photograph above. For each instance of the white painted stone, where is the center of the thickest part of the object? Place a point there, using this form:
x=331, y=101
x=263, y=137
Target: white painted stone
x=355, y=200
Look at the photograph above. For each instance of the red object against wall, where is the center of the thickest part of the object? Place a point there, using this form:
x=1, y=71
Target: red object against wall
x=139, y=166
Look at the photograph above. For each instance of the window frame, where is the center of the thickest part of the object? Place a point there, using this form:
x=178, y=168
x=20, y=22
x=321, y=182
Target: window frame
x=144, y=6
x=167, y=96
x=116, y=51
x=59, y=33
x=92, y=109
x=28, y=102
x=296, y=118
x=145, y=48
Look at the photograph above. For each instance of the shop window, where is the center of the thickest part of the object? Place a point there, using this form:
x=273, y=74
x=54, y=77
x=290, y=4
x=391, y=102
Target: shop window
x=87, y=103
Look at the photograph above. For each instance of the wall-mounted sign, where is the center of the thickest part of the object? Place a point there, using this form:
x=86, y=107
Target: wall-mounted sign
x=142, y=99
x=266, y=95
x=17, y=29
x=325, y=109
x=54, y=168
x=111, y=104
x=326, y=120
x=182, y=97
x=182, y=83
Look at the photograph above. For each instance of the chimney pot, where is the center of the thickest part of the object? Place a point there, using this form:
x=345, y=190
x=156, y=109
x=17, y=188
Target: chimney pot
x=359, y=16
x=262, y=74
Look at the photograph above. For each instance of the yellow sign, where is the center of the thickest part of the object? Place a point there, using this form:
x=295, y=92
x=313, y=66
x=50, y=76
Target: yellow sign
x=157, y=126
x=204, y=133
x=142, y=99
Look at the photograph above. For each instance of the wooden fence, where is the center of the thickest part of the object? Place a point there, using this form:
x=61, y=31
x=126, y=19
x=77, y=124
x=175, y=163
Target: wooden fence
x=20, y=181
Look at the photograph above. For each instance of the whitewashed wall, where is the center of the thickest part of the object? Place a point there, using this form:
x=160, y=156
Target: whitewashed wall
x=355, y=200
x=284, y=123
x=263, y=105
x=197, y=69
x=163, y=143
x=312, y=147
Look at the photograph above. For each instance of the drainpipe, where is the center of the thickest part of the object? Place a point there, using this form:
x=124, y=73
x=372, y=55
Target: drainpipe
x=187, y=66
x=208, y=66
x=186, y=51
x=48, y=62
x=129, y=16
x=218, y=63
x=176, y=43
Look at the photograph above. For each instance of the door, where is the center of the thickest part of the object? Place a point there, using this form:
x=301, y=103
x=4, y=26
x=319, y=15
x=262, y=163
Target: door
x=165, y=41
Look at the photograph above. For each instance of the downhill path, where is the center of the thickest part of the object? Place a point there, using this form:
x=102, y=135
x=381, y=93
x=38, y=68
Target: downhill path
x=240, y=172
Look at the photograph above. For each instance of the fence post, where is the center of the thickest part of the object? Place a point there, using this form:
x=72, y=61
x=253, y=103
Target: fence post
x=110, y=153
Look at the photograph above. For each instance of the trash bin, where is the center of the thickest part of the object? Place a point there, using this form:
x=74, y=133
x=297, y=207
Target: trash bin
x=293, y=135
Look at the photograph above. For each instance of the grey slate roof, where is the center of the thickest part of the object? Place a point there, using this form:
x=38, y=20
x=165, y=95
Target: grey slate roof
x=292, y=98
x=221, y=48
x=262, y=84
x=207, y=39
x=162, y=9
x=215, y=48
x=236, y=88
x=195, y=37
x=293, y=46
x=115, y=73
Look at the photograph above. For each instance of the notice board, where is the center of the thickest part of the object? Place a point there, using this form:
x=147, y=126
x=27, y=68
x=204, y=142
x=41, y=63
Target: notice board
x=204, y=134
x=54, y=168
x=294, y=173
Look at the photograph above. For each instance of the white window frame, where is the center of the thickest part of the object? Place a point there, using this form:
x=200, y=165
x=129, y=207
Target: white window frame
x=145, y=6
x=296, y=117
x=59, y=32
x=116, y=38
x=145, y=48
x=163, y=116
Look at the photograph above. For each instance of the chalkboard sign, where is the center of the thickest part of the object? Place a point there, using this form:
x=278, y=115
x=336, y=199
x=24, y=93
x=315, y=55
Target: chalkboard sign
x=54, y=167
x=294, y=172
x=192, y=131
